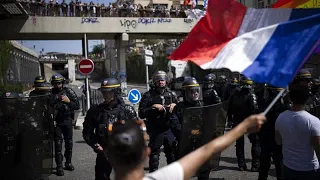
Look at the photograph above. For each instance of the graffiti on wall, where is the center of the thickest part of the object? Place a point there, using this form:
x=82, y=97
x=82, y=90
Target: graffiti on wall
x=89, y=20
x=128, y=23
x=153, y=20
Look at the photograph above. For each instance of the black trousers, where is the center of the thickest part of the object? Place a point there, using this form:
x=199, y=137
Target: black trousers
x=290, y=174
x=268, y=151
x=63, y=132
x=103, y=168
x=156, y=141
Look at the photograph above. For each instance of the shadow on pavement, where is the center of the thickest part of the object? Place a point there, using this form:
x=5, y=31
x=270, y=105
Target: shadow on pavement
x=80, y=142
x=232, y=160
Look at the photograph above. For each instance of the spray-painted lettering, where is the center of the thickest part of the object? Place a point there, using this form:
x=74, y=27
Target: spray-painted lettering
x=128, y=23
x=188, y=20
x=89, y=20
x=153, y=20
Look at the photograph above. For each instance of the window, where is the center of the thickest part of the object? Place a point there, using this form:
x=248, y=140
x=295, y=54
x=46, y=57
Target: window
x=260, y=4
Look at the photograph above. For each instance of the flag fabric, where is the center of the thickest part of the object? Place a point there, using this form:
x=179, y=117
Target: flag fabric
x=297, y=4
x=267, y=45
x=317, y=50
x=205, y=3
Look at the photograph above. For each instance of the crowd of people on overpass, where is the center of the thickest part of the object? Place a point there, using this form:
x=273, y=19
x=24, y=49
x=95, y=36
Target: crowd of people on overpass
x=82, y=9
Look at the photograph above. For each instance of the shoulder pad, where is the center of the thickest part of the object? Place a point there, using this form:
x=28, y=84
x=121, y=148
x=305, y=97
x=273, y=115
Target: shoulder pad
x=173, y=93
x=129, y=107
x=69, y=90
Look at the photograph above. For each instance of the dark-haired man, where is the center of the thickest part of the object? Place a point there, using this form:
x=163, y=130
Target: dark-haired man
x=299, y=133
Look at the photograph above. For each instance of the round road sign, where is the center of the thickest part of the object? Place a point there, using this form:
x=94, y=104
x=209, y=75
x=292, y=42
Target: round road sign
x=86, y=66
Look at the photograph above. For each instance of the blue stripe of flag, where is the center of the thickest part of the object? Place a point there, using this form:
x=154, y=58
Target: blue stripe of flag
x=288, y=48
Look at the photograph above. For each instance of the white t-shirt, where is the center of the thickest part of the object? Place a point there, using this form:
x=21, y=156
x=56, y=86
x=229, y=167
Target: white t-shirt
x=296, y=129
x=173, y=171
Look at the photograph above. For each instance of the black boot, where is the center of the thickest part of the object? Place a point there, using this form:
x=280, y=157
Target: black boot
x=153, y=163
x=60, y=171
x=59, y=159
x=68, y=156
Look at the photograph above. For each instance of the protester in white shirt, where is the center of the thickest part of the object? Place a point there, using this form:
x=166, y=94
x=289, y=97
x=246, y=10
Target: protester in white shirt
x=299, y=133
x=127, y=151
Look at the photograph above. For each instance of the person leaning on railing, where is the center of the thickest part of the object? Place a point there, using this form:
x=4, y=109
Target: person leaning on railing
x=127, y=151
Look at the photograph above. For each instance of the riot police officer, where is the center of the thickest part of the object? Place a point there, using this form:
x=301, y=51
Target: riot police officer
x=242, y=104
x=269, y=148
x=231, y=87
x=192, y=97
x=155, y=106
x=41, y=89
x=304, y=77
x=315, y=97
x=38, y=82
x=66, y=103
x=100, y=118
x=220, y=86
x=210, y=95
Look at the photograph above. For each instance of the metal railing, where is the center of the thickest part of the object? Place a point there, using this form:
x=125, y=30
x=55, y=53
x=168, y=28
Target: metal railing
x=95, y=98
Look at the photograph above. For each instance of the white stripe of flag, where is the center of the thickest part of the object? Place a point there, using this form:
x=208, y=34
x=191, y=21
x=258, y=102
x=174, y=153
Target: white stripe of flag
x=85, y=66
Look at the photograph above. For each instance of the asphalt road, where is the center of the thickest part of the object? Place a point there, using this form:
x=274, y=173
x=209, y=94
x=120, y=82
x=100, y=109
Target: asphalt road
x=84, y=162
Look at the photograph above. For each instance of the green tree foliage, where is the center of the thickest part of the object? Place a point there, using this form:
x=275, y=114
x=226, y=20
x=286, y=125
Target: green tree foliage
x=97, y=49
x=5, y=59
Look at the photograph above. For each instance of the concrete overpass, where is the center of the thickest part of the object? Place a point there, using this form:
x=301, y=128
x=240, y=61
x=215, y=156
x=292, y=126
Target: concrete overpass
x=73, y=28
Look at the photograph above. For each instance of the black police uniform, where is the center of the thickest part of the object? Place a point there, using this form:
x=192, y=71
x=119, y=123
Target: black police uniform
x=269, y=147
x=156, y=123
x=98, y=119
x=314, y=100
x=242, y=104
x=210, y=95
x=63, y=118
x=230, y=88
x=304, y=77
x=176, y=119
x=221, y=85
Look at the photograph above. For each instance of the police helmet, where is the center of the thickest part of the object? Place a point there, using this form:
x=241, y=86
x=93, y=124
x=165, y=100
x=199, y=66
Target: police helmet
x=273, y=88
x=315, y=85
x=209, y=78
x=191, y=89
x=110, y=84
x=159, y=76
x=57, y=78
x=304, y=74
x=222, y=79
x=42, y=86
x=234, y=81
x=246, y=81
x=39, y=79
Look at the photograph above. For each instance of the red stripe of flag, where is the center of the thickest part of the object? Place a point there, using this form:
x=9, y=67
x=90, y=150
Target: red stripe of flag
x=281, y=3
x=221, y=24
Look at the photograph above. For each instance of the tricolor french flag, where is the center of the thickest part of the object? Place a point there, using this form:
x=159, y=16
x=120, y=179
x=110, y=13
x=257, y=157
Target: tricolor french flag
x=267, y=45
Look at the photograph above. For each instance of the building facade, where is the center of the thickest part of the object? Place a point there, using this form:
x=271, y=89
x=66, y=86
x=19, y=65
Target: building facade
x=24, y=65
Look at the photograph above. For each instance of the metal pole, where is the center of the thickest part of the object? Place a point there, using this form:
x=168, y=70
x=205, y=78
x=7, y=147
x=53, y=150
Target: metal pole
x=87, y=79
x=147, y=77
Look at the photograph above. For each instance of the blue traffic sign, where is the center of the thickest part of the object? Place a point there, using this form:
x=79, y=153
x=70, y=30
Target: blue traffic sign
x=134, y=96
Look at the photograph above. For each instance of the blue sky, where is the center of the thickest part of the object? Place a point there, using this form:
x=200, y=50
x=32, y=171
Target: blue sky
x=63, y=46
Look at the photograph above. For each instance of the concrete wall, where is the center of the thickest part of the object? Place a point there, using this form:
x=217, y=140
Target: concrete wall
x=74, y=27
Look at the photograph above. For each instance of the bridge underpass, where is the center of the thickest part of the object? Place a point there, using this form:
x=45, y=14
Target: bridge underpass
x=121, y=29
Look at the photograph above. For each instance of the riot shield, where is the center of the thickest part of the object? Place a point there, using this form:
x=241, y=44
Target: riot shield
x=27, y=144
x=200, y=125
